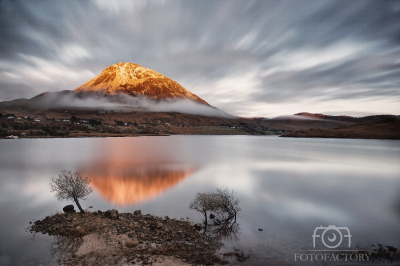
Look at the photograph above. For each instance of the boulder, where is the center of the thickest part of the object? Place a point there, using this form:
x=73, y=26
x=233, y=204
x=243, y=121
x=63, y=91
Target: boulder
x=197, y=227
x=131, y=244
x=149, y=217
x=155, y=225
x=136, y=225
x=69, y=209
x=137, y=212
x=112, y=214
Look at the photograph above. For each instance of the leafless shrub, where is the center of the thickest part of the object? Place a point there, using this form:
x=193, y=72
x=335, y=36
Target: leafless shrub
x=226, y=228
x=71, y=186
x=222, y=202
x=228, y=203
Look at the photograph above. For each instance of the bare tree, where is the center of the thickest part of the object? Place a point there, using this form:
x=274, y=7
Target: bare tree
x=204, y=202
x=222, y=202
x=71, y=186
x=228, y=203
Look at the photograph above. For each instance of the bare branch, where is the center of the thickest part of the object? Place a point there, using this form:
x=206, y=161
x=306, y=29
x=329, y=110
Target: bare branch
x=222, y=202
x=71, y=186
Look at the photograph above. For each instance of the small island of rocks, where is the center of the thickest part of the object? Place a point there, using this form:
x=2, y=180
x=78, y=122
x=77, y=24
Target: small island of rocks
x=113, y=238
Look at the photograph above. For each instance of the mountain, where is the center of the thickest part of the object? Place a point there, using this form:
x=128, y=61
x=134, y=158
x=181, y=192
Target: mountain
x=123, y=86
x=135, y=80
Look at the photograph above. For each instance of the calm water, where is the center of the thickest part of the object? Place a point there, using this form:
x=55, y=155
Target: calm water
x=287, y=187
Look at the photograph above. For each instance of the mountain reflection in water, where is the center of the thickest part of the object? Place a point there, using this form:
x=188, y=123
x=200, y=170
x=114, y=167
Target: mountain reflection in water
x=127, y=184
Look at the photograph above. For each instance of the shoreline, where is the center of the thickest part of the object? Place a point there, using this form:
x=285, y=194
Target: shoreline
x=123, y=136
x=92, y=136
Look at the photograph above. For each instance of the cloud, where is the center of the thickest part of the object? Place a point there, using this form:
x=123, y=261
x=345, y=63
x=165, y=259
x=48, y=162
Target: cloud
x=122, y=101
x=296, y=52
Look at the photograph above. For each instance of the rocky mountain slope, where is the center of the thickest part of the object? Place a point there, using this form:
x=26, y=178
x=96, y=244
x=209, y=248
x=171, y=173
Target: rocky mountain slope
x=135, y=80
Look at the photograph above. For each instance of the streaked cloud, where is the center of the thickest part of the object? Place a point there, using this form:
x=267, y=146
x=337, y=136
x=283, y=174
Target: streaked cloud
x=249, y=58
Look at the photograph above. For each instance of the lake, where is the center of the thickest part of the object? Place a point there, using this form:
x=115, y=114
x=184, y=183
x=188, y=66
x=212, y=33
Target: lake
x=288, y=187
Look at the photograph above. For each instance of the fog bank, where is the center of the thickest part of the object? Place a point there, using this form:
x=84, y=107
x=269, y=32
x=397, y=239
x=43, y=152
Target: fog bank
x=71, y=99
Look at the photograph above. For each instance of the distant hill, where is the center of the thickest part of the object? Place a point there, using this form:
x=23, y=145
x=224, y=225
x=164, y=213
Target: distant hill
x=388, y=128
x=344, y=118
x=303, y=121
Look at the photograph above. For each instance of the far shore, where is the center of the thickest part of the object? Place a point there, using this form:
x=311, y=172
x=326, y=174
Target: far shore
x=59, y=123
x=88, y=136
x=385, y=129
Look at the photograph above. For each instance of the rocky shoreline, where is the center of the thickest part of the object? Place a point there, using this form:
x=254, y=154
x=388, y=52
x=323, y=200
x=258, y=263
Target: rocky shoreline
x=112, y=238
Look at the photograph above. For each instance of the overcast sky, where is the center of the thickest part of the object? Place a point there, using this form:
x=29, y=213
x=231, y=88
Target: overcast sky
x=248, y=58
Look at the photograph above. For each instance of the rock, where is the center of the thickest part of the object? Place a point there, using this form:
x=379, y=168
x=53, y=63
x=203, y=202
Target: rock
x=155, y=225
x=136, y=225
x=69, y=209
x=111, y=214
x=212, y=216
x=137, y=212
x=100, y=212
x=90, y=207
x=130, y=244
x=260, y=229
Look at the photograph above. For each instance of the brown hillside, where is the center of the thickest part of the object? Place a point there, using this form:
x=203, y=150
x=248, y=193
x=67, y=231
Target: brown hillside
x=385, y=129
